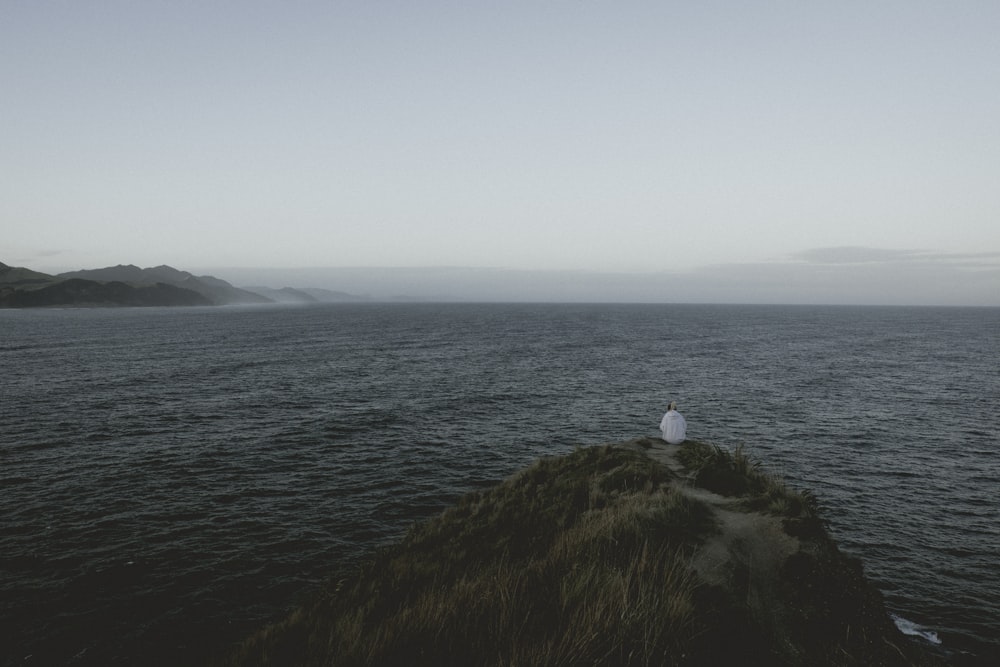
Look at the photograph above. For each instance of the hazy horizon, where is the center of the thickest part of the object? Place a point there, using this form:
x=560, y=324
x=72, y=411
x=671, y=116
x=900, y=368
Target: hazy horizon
x=773, y=152
x=792, y=283
x=822, y=276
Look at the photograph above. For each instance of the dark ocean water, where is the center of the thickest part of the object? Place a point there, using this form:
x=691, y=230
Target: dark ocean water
x=173, y=478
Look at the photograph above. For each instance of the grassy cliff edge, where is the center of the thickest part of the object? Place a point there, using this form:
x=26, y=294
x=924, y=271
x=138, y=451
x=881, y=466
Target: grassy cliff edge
x=639, y=553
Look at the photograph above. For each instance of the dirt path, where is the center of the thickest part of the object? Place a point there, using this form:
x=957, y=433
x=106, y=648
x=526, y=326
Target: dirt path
x=749, y=549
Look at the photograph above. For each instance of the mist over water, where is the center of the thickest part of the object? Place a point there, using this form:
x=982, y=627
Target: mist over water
x=174, y=478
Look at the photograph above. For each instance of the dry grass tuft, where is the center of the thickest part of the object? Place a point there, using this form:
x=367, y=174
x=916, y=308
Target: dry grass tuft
x=736, y=474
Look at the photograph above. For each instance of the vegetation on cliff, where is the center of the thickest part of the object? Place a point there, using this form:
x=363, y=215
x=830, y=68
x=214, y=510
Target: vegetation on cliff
x=611, y=555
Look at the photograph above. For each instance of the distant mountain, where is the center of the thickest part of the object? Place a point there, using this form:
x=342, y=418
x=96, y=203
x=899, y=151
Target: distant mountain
x=121, y=273
x=283, y=295
x=305, y=295
x=217, y=292
x=117, y=286
x=332, y=296
x=130, y=285
x=79, y=292
x=19, y=277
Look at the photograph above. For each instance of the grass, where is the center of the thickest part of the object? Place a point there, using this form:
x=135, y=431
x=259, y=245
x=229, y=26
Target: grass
x=576, y=560
x=736, y=474
x=587, y=560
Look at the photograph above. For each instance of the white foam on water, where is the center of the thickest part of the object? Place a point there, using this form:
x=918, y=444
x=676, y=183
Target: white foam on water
x=915, y=630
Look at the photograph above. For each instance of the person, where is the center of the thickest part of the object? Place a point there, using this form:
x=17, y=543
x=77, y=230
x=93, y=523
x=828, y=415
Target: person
x=673, y=425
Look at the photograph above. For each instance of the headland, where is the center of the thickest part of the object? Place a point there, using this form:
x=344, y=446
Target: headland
x=637, y=553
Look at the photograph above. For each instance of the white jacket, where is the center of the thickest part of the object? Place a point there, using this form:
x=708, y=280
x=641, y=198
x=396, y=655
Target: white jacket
x=674, y=427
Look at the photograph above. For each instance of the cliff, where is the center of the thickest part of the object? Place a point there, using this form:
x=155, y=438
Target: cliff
x=640, y=553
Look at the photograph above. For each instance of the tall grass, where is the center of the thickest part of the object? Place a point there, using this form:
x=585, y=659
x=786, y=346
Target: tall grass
x=585, y=560
x=736, y=474
x=577, y=560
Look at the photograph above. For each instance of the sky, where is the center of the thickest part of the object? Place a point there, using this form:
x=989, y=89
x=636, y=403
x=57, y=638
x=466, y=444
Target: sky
x=765, y=152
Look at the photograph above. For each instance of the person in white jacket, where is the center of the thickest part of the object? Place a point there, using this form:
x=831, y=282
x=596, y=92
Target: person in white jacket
x=673, y=426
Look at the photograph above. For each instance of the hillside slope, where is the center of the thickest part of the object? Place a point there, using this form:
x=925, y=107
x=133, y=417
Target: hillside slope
x=19, y=277
x=78, y=292
x=216, y=291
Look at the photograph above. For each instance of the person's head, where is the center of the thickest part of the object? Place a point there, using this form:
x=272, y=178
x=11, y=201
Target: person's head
x=672, y=406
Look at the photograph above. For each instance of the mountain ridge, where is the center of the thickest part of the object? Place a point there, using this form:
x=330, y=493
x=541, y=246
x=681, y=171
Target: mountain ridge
x=130, y=285
x=218, y=292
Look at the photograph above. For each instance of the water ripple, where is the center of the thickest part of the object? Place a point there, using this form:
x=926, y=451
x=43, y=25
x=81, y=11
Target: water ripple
x=173, y=478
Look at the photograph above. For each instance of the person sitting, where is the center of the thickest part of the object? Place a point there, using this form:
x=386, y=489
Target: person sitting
x=673, y=425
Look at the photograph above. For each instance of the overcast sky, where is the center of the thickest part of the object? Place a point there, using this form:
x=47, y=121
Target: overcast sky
x=737, y=151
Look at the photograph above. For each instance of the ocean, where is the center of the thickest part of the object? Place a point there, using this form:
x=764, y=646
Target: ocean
x=172, y=479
